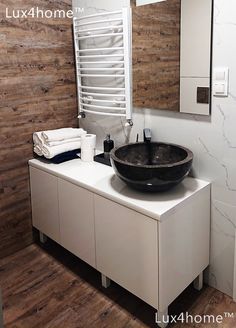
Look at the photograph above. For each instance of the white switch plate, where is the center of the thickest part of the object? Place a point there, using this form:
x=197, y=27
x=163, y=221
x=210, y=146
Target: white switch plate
x=221, y=82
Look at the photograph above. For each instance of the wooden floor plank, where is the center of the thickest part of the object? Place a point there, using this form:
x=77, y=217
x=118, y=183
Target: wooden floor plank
x=50, y=288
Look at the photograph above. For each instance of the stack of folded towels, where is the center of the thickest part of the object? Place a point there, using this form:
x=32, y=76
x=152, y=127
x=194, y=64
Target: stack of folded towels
x=57, y=142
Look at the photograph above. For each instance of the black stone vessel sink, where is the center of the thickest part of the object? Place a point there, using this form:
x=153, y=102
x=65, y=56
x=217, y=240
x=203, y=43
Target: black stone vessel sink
x=151, y=166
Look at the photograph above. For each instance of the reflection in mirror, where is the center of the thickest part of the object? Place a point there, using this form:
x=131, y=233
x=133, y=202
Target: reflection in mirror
x=172, y=55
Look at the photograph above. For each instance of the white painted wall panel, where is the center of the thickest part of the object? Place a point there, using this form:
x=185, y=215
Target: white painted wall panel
x=195, y=38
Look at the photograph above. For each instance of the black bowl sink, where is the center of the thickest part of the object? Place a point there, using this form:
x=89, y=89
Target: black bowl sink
x=151, y=166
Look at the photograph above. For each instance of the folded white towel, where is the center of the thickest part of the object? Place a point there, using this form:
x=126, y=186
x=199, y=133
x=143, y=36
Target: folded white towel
x=62, y=134
x=38, y=150
x=50, y=152
x=57, y=143
x=37, y=138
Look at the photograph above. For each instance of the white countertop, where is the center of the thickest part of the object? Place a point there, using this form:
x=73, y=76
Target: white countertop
x=102, y=180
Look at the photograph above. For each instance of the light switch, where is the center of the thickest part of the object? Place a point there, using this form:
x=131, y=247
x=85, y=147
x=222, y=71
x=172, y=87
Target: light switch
x=219, y=88
x=221, y=82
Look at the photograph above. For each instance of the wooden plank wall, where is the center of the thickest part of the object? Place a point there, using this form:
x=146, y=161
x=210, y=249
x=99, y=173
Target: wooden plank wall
x=156, y=55
x=37, y=92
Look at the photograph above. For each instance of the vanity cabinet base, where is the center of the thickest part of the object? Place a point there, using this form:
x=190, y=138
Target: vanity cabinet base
x=154, y=254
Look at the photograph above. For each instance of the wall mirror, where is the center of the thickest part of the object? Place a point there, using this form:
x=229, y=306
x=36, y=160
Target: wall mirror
x=172, y=48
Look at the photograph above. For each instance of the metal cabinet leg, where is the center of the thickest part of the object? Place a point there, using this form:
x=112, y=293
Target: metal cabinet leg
x=42, y=237
x=162, y=318
x=106, y=282
x=198, y=282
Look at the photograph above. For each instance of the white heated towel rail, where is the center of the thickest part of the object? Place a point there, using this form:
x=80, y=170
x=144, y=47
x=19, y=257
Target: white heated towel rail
x=104, y=73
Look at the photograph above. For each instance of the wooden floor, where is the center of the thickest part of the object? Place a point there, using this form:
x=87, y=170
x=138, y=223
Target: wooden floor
x=51, y=288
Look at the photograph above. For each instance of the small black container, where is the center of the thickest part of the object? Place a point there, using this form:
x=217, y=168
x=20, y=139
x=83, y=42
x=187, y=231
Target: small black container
x=105, y=157
x=108, y=145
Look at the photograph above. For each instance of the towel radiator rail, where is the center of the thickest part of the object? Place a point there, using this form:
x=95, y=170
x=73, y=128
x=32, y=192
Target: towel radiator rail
x=98, y=56
x=100, y=49
x=111, y=28
x=99, y=35
x=118, y=95
x=100, y=88
x=101, y=62
x=101, y=113
x=95, y=66
x=99, y=22
x=105, y=13
x=106, y=101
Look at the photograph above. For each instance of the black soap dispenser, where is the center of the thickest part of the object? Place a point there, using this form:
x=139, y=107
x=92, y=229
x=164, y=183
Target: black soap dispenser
x=108, y=146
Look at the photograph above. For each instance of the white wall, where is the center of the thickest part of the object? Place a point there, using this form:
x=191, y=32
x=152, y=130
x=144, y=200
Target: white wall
x=212, y=139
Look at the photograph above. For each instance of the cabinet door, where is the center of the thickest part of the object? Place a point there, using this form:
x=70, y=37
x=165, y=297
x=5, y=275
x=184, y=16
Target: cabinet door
x=77, y=221
x=126, y=248
x=44, y=199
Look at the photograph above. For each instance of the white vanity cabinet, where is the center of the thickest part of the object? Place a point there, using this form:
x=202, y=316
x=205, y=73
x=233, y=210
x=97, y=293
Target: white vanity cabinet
x=154, y=245
x=126, y=248
x=44, y=202
x=64, y=212
x=154, y=260
x=76, y=216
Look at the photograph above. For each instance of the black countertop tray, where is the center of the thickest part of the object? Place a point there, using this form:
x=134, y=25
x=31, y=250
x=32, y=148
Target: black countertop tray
x=102, y=159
